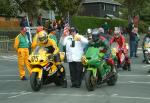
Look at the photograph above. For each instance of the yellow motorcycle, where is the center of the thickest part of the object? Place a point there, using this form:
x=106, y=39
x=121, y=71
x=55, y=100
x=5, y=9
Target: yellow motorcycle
x=44, y=70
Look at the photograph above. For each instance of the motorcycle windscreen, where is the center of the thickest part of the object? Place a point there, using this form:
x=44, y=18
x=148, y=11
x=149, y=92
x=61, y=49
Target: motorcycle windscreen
x=38, y=56
x=92, y=55
x=40, y=50
x=147, y=43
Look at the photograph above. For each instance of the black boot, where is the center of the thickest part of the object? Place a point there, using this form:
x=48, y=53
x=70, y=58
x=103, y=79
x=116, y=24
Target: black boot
x=129, y=67
x=63, y=75
x=64, y=85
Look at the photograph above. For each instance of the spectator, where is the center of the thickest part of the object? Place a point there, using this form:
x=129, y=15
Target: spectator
x=52, y=35
x=22, y=47
x=137, y=39
x=24, y=22
x=75, y=45
x=39, y=21
x=105, y=27
x=62, y=23
x=133, y=42
x=31, y=22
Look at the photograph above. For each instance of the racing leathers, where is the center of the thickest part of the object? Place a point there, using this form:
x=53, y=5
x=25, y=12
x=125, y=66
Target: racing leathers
x=122, y=46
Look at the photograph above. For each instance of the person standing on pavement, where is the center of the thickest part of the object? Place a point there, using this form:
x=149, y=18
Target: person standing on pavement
x=75, y=45
x=137, y=41
x=133, y=42
x=21, y=45
x=105, y=27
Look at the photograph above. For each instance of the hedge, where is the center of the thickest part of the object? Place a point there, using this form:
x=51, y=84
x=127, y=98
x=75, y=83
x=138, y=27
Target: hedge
x=84, y=22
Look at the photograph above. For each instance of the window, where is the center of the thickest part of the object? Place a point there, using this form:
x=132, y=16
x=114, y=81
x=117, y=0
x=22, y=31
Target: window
x=114, y=8
x=103, y=6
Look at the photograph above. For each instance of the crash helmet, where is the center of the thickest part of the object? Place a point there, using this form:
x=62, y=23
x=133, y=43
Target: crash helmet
x=73, y=29
x=101, y=30
x=117, y=32
x=39, y=28
x=95, y=34
x=42, y=37
x=89, y=31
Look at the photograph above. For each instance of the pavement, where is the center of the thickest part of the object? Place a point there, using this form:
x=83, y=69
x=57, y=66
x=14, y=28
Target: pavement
x=132, y=87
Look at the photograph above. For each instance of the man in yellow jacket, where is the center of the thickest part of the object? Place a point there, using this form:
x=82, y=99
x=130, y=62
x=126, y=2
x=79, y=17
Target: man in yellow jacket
x=21, y=45
x=45, y=41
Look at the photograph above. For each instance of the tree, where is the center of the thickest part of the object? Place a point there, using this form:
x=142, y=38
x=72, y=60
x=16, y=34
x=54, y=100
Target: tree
x=8, y=7
x=133, y=7
x=30, y=7
x=65, y=6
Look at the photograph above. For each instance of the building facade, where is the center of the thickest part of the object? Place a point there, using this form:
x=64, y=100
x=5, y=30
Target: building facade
x=100, y=8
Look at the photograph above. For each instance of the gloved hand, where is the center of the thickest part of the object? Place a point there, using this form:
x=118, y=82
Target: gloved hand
x=51, y=57
x=106, y=57
x=121, y=49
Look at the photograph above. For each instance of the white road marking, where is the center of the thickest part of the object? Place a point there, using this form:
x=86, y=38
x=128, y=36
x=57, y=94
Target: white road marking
x=95, y=95
x=118, y=82
x=133, y=75
x=20, y=94
x=9, y=75
x=127, y=97
x=10, y=57
x=145, y=66
x=74, y=95
x=132, y=82
x=1, y=71
x=10, y=80
x=9, y=93
x=8, y=60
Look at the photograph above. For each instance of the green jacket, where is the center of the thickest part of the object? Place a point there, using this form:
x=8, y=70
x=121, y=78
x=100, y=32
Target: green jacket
x=21, y=41
x=53, y=37
x=103, y=44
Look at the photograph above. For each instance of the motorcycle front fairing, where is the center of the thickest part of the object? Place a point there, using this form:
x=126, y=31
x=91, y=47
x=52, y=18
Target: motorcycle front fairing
x=39, y=60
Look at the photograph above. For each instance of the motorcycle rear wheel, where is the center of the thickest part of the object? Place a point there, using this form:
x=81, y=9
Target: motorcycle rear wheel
x=90, y=81
x=113, y=79
x=35, y=82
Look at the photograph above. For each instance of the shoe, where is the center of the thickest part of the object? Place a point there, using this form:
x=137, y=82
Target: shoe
x=64, y=85
x=129, y=69
x=23, y=78
x=131, y=57
x=78, y=86
x=143, y=61
x=73, y=85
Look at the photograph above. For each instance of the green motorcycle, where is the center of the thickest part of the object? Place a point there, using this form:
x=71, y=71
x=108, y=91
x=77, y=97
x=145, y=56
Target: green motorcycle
x=97, y=71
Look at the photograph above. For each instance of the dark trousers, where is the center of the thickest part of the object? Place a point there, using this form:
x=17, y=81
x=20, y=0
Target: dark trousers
x=133, y=48
x=136, y=48
x=144, y=55
x=76, y=72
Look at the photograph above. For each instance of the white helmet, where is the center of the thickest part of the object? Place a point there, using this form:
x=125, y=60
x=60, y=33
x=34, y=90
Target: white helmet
x=89, y=30
x=101, y=30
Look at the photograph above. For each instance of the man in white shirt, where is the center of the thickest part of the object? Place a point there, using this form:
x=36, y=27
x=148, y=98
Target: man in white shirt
x=75, y=45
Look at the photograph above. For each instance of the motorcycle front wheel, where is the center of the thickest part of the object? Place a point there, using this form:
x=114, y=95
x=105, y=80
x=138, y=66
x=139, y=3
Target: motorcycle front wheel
x=147, y=55
x=90, y=81
x=35, y=82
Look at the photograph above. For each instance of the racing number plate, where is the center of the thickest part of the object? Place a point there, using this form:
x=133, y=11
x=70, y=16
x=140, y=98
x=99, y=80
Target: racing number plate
x=34, y=58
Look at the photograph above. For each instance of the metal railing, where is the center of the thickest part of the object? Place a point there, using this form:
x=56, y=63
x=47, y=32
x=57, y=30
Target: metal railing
x=6, y=44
